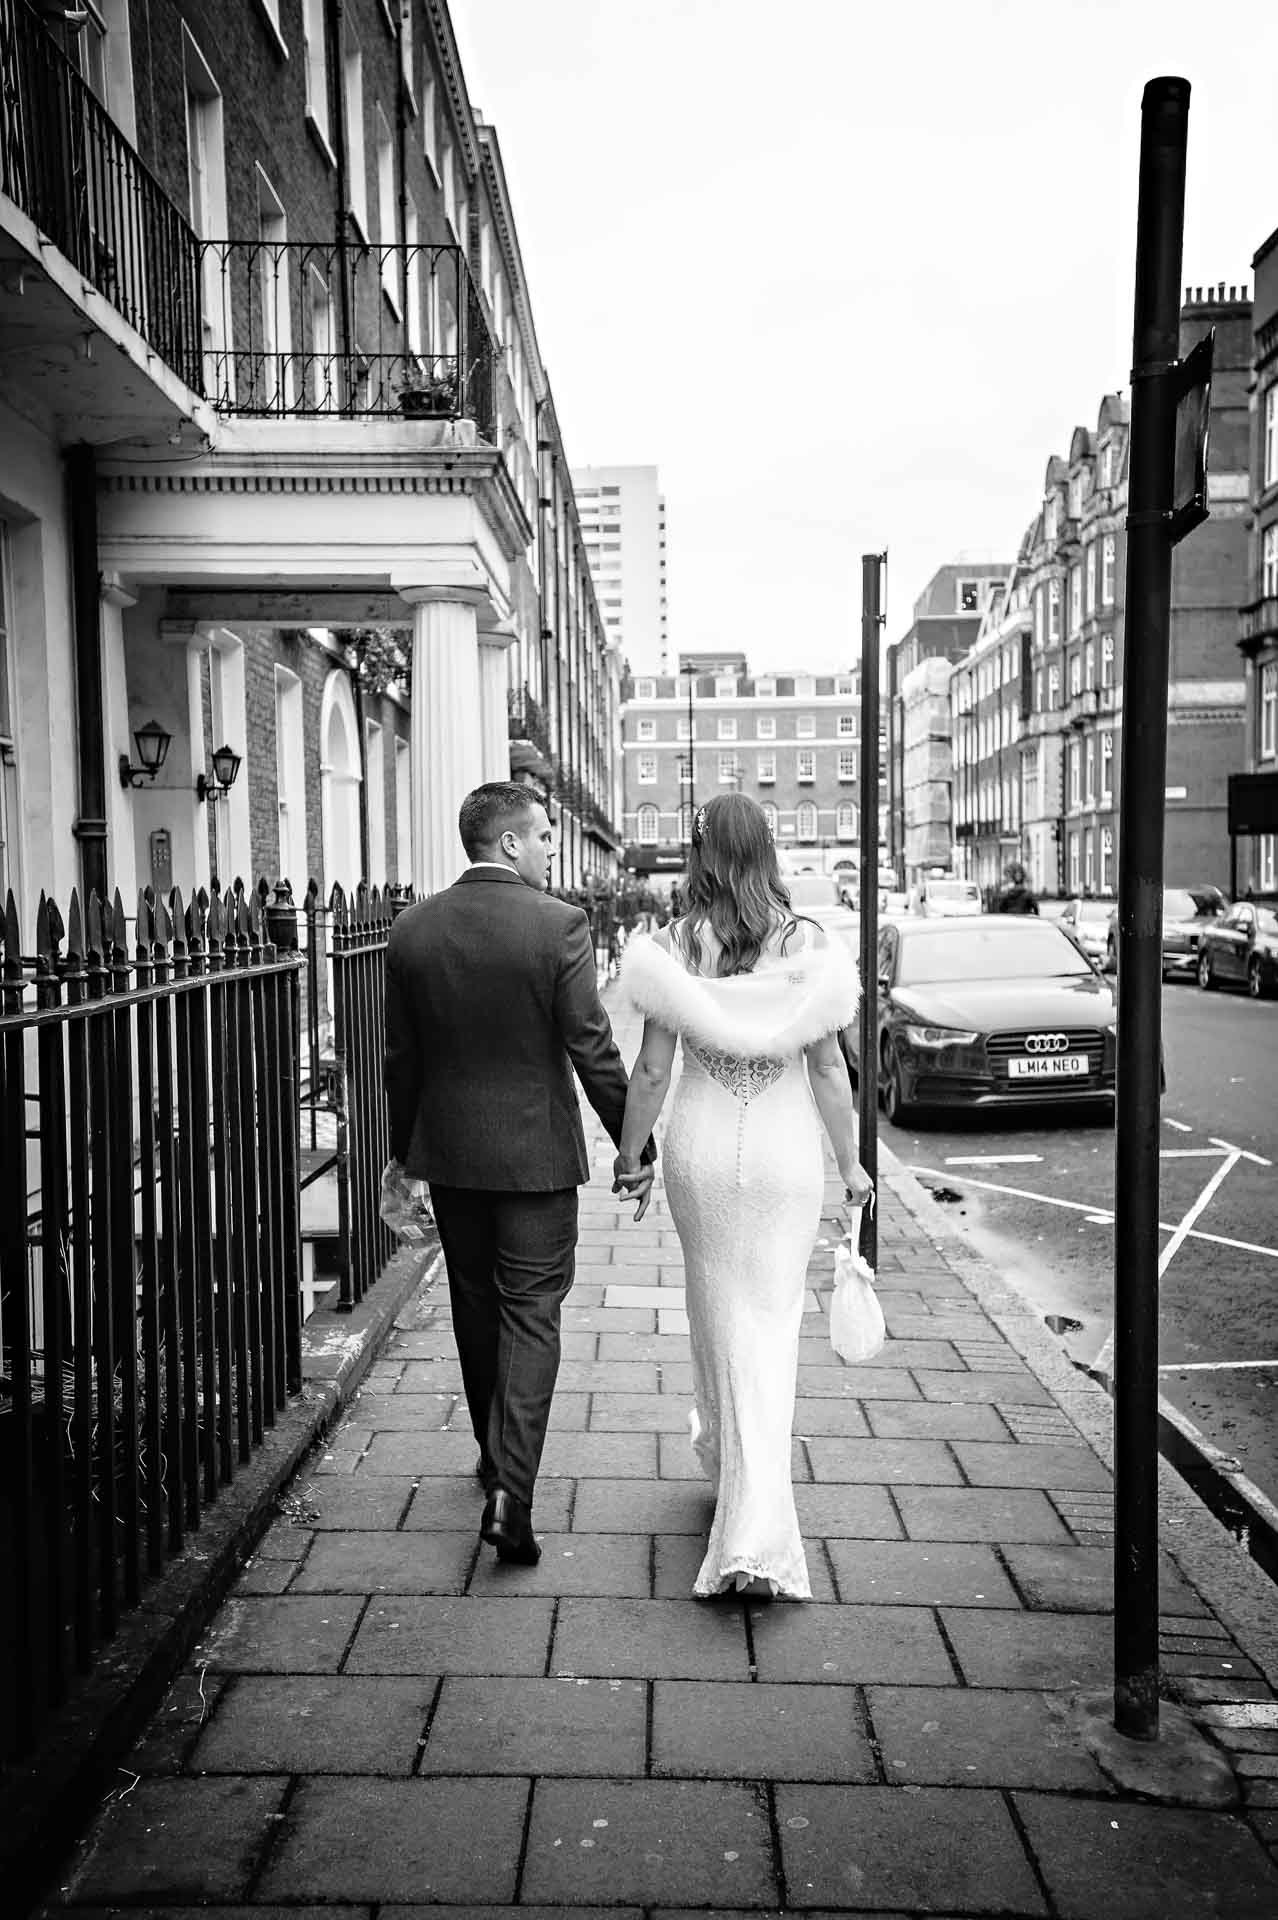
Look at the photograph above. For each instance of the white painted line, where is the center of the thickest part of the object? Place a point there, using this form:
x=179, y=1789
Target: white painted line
x=992, y=1159
x=1105, y=1358
x=1214, y=1366
x=1181, y=1126
x=1187, y=1220
x=1189, y=1153
x=1017, y=1193
x=1223, y=1240
x=1242, y=1152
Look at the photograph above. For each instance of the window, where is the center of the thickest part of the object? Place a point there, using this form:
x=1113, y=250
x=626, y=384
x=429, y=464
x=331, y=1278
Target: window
x=206, y=174
x=727, y=769
x=805, y=726
x=806, y=821
x=1269, y=560
x=1269, y=863
x=1075, y=496
x=375, y=791
x=725, y=687
x=1107, y=660
x=403, y=814
x=1107, y=860
x=727, y=729
x=848, y=726
x=1075, y=877
x=847, y=763
x=316, y=65
x=766, y=726
x=1089, y=862
x=685, y=770
x=1054, y=610
x=1075, y=599
x=290, y=779
x=1269, y=710
x=1049, y=519
x=648, y=824
x=685, y=824
x=845, y=821
x=386, y=210
x=1106, y=769
x=845, y=684
x=449, y=184
x=353, y=95
x=969, y=596
x=1089, y=664
x=1107, y=570
x=805, y=764
x=1106, y=477
x=273, y=296
x=767, y=764
x=766, y=689
x=1029, y=784
x=1091, y=580
x=1038, y=689
x=1053, y=689
x=648, y=769
x=646, y=730
x=770, y=816
x=1075, y=774
x=1075, y=674
x=645, y=689
x=1270, y=469
x=804, y=687
x=684, y=728
x=1089, y=772
x=1038, y=619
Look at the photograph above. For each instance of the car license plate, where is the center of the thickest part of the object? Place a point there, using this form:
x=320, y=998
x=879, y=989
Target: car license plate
x=1047, y=1066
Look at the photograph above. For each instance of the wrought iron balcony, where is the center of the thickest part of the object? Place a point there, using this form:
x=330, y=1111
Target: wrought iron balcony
x=322, y=328
x=66, y=166
x=1258, y=623
x=526, y=719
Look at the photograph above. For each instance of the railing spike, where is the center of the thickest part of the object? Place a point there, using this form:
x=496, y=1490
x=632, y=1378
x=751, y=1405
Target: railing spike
x=44, y=940
x=75, y=928
x=57, y=926
x=215, y=920
x=119, y=930
x=163, y=928
x=337, y=899
x=203, y=898
x=94, y=927
x=144, y=927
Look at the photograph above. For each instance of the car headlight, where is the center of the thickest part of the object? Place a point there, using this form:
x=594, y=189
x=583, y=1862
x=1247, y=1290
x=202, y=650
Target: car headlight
x=936, y=1037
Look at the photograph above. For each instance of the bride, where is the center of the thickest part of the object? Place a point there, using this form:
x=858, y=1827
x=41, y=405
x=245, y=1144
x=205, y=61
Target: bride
x=758, y=996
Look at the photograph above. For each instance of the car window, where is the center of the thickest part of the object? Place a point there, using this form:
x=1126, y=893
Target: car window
x=811, y=890
x=1070, y=914
x=1178, y=904
x=1094, y=910
x=995, y=952
x=1266, y=921
x=887, y=953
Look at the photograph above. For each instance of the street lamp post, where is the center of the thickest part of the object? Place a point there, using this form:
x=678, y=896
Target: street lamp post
x=692, y=764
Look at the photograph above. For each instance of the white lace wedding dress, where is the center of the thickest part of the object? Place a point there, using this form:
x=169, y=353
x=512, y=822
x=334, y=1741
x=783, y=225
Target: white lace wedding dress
x=744, y=1174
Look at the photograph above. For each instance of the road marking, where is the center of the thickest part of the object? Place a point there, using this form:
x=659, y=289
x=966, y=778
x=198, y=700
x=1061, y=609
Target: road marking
x=992, y=1159
x=1181, y=1126
x=1242, y=1152
x=1189, y=1153
x=1018, y=1193
x=1213, y=1366
x=1187, y=1220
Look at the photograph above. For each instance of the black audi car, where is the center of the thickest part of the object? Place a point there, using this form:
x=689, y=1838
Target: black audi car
x=991, y=1011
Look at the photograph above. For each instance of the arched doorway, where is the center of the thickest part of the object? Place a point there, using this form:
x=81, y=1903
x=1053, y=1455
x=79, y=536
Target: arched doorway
x=340, y=776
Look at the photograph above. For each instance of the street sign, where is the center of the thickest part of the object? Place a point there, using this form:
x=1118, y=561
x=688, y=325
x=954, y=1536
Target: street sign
x=1193, y=421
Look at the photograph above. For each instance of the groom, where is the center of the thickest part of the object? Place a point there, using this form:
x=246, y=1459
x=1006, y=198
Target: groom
x=491, y=1001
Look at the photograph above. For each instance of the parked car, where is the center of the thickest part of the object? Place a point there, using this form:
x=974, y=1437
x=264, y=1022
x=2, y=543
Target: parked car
x=1240, y=949
x=993, y=1011
x=816, y=897
x=1087, y=922
x=1187, y=912
x=948, y=899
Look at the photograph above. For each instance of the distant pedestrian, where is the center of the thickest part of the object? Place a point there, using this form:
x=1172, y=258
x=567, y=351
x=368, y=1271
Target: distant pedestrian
x=1016, y=895
x=491, y=1001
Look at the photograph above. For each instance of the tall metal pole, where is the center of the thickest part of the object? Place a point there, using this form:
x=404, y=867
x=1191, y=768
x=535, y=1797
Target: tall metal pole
x=1155, y=337
x=692, y=765
x=868, y=1062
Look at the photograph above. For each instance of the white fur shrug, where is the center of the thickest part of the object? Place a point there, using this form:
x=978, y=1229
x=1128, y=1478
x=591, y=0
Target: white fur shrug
x=774, y=1012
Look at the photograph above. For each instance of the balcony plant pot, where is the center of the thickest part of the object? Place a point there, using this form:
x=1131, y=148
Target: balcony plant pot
x=432, y=400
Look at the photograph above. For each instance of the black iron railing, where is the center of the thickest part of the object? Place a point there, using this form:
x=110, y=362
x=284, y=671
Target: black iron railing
x=67, y=166
x=150, y=1256
x=340, y=327
x=528, y=720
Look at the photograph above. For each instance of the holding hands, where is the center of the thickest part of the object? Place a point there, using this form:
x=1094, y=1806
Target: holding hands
x=633, y=1180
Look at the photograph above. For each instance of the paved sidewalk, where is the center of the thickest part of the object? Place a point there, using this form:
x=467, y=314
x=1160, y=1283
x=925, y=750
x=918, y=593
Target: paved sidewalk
x=381, y=1716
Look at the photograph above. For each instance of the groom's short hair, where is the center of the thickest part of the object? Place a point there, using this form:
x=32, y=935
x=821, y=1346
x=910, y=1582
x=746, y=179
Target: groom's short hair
x=489, y=811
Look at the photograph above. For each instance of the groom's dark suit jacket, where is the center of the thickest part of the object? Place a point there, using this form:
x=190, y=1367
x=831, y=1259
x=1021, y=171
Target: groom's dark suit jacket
x=491, y=1000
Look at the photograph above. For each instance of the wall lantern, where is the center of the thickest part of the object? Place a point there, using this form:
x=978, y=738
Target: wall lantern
x=152, y=743
x=226, y=764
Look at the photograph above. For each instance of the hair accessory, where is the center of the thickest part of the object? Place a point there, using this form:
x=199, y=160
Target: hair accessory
x=698, y=826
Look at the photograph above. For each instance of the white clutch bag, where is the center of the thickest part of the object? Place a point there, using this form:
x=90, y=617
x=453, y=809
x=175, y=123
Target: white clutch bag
x=857, y=1331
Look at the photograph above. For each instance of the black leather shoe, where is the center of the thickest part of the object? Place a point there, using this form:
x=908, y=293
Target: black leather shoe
x=507, y=1525
x=484, y=1474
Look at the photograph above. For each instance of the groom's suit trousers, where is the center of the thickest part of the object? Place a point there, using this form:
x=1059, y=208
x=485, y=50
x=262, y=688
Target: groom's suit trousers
x=510, y=1259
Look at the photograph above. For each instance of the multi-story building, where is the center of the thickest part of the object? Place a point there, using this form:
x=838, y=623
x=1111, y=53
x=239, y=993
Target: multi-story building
x=272, y=411
x=623, y=519
x=792, y=741
x=1256, y=856
x=1044, y=681
x=947, y=618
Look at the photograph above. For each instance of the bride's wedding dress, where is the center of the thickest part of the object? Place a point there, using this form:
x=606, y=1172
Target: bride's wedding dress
x=744, y=1176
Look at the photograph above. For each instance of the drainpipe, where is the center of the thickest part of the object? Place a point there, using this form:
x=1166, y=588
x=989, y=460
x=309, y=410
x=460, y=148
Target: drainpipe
x=89, y=827
x=333, y=16
x=401, y=142
x=357, y=690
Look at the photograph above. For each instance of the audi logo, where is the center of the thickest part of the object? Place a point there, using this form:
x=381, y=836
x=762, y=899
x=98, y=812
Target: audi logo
x=1047, y=1042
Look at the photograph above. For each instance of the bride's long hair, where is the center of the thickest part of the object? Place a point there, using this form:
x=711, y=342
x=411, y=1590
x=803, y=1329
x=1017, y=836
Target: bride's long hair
x=734, y=884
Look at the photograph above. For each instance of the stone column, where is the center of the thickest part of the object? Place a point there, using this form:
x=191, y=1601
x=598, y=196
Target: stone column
x=447, y=741
x=494, y=679
x=121, y=849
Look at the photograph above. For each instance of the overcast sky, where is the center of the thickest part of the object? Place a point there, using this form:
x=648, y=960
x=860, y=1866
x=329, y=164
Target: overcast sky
x=849, y=273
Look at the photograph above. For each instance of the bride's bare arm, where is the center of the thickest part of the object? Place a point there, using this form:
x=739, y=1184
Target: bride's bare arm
x=649, y=1084
x=832, y=1091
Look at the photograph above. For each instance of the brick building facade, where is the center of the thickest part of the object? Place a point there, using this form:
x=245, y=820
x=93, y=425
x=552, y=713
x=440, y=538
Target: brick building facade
x=1256, y=855
x=790, y=741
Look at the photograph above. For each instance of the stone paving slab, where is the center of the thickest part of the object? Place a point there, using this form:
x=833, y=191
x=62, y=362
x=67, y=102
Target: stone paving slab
x=456, y=1502
x=1016, y=1386
x=1108, y=1862
x=423, y=1561
x=884, y=1462
x=846, y=1512
x=974, y=1513
x=404, y=1840
x=572, y=1563
x=849, y=1645
x=305, y=1724
x=979, y=1737
x=558, y=1726
x=186, y=1841
x=932, y=1849
x=1069, y=1579
x=758, y=1731
x=677, y=1557
x=643, y=1506
x=637, y=1413
x=304, y=1633
x=919, y=1573
x=686, y=1841
x=1020, y=1649
x=652, y=1639
x=1075, y=1468
x=917, y=1419
x=447, y=1635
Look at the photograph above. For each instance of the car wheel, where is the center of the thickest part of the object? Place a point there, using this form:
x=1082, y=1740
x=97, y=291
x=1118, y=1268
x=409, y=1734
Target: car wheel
x=1255, y=982
x=1111, y=955
x=895, y=1110
x=1206, y=978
